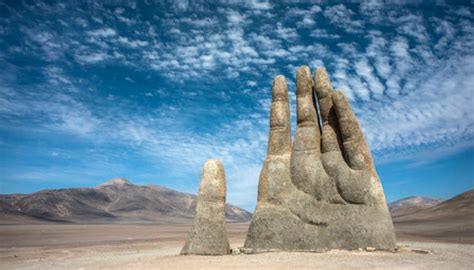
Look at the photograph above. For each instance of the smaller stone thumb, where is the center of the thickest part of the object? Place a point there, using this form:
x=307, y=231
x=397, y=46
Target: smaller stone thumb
x=208, y=235
x=213, y=186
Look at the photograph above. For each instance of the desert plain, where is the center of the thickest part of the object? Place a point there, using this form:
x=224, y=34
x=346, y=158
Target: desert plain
x=157, y=246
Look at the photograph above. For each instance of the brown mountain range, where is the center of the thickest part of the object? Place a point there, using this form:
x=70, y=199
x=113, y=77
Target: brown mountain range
x=451, y=220
x=411, y=205
x=119, y=201
x=115, y=201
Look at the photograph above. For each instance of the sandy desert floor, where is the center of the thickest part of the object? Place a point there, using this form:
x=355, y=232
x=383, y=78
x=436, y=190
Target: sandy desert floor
x=157, y=247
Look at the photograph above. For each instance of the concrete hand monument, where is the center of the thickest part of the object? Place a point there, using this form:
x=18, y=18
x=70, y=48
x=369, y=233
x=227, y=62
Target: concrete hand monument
x=321, y=191
x=208, y=235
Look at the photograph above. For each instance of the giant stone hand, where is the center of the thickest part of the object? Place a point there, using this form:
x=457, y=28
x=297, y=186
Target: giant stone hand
x=322, y=191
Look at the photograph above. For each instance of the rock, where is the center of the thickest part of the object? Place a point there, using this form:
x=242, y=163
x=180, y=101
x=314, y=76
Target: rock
x=421, y=251
x=370, y=249
x=411, y=250
x=208, y=235
x=246, y=250
x=402, y=249
x=235, y=251
x=321, y=191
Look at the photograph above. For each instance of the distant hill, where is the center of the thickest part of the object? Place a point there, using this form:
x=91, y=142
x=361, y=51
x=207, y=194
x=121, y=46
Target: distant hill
x=411, y=205
x=451, y=220
x=115, y=201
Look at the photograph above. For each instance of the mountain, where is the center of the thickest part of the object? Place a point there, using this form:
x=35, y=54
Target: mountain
x=458, y=207
x=115, y=201
x=451, y=220
x=411, y=205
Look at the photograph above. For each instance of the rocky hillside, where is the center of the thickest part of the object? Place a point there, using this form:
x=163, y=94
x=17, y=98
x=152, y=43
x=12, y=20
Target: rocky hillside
x=451, y=221
x=458, y=207
x=115, y=201
x=411, y=205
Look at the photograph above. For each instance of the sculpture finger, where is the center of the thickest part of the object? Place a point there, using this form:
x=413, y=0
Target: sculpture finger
x=213, y=186
x=208, y=235
x=279, y=145
x=322, y=83
x=307, y=172
x=356, y=151
x=307, y=135
x=322, y=87
x=280, y=127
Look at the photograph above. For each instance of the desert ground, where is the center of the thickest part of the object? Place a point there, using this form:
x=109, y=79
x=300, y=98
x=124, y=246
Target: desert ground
x=146, y=246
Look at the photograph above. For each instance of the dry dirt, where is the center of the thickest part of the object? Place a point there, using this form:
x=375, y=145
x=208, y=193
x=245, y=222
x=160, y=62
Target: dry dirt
x=62, y=246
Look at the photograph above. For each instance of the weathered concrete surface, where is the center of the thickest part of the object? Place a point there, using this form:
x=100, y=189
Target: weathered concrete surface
x=208, y=235
x=322, y=192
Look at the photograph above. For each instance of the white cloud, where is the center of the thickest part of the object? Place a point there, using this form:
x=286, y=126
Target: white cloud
x=366, y=71
x=92, y=58
x=400, y=52
x=427, y=117
x=323, y=33
x=195, y=22
x=235, y=17
x=285, y=33
x=341, y=16
x=132, y=43
x=307, y=21
x=317, y=63
x=40, y=37
x=56, y=76
x=76, y=122
x=412, y=25
x=307, y=17
x=447, y=32
x=251, y=83
x=104, y=32
x=258, y=4
x=348, y=48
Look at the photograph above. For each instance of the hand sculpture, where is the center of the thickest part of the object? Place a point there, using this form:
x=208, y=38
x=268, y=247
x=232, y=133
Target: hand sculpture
x=323, y=191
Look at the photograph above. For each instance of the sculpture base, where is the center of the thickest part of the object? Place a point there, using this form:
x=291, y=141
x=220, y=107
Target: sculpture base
x=336, y=227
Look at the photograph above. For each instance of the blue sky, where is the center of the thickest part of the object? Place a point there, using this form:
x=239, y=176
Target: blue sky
x=149, y=91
